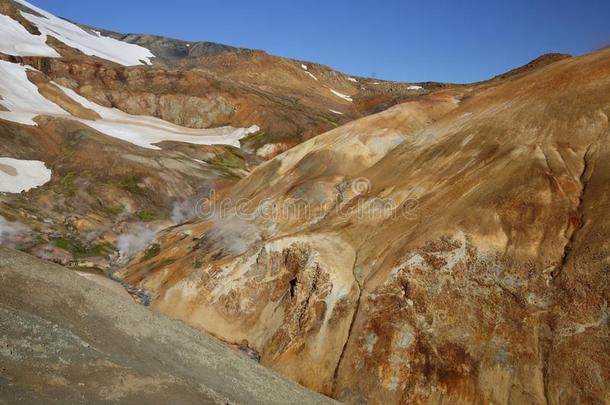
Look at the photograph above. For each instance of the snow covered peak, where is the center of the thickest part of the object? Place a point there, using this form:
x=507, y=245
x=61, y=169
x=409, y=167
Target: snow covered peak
x=15, y=40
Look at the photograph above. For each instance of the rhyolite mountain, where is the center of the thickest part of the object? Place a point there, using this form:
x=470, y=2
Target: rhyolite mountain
x=379, y=242
x=455, y=249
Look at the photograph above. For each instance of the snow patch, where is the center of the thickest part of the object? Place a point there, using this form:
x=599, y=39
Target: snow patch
x=305, y=68
x=145, y=131
x=311, y=75
x=335, y=112
x=351, y=79
x=22, y=175
x=343, y=96
x=21, y=97
x=17, y=41
x=88, y=43
x=415, y=87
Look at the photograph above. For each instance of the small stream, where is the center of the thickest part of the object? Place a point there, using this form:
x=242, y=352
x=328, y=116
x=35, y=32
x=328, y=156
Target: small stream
x=139, y=294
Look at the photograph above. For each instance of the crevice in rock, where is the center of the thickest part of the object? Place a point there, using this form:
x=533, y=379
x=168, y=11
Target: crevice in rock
x=304, y=307
x=351, y=327
x=589, y=159
x=546, y=333
x=293, y=287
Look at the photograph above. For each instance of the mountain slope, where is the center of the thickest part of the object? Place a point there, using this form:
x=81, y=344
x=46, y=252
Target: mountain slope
x=64, y=339
x=451, y=249
x=90, y=107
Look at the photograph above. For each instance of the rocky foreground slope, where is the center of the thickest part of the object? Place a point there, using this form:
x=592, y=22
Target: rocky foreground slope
x=452, y=249
x=65, y=340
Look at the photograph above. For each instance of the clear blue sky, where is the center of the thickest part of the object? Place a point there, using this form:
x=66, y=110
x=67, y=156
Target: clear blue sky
x=442, y=40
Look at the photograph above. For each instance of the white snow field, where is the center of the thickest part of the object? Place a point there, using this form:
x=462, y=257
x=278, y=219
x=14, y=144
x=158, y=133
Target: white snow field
x=144, y=131
x=92, y=44
x=335, y=112
x=24, y=102
x=413, y=87
x=22, y=175
x=17, y=41
x=343, y=96
x=21, y=97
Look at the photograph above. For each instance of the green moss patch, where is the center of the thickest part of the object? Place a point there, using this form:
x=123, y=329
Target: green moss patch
x=129, y=183
x=148, y=216
x=80, y=250
x=152, y=251
x=67, y=182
